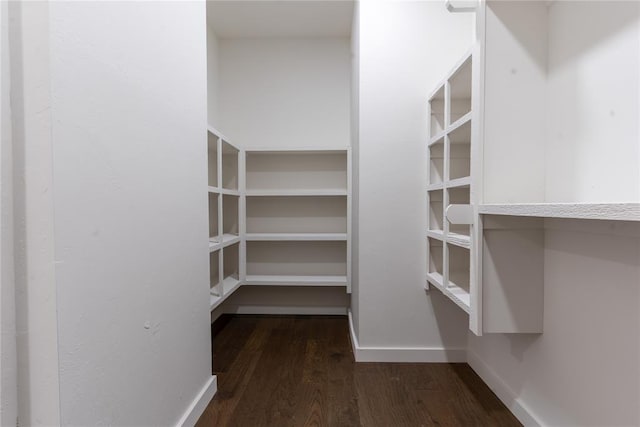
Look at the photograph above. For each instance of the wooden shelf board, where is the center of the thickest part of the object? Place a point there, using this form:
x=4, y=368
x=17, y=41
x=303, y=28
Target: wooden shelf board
x=601, y=211
x=296, y=280
x=295, y=150
x=229, y=192
x=439, y=137
x=459, y=240
x=230, y=284
x=435, y=186
x=296, y=236
x=460, y=122
x=276, y=192
x=215, y=132
x=459, y=182
x=229, y=239
x=436, y=280
x=436, y=234
x=459, y=296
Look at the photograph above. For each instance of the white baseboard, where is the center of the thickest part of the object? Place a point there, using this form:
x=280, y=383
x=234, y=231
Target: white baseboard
x=504, y=393
x=404, y=354
x=286, y=310
x=199, y=404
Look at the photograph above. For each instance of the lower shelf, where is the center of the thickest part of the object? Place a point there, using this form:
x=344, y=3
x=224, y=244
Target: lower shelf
x=455, y=293
x=229, y=285
x=296, y=280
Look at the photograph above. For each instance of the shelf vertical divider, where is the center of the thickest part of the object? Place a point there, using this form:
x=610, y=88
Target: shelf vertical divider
x=349, y=207
x=242, y=215
x=476, y=174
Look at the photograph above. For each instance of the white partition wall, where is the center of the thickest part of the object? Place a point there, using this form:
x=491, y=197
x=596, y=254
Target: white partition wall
x=130, y=209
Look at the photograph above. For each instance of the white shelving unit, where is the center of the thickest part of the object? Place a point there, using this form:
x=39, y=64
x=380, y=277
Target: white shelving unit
x=450, y=245
x=524, y=148
x=298, y=217
x=224, y=217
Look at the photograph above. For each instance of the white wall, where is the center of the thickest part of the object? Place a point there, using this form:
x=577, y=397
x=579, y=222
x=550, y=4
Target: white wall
x=355, y=165
x=212, y=78
x=36, y=317
x=8, y=359
x=128, y=90
x=593, y=95
x=583, y=370
x=285, y=92
x=406, y=47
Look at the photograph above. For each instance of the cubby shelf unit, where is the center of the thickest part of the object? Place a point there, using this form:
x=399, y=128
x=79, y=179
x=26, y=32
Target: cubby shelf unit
x=450, y=246
x=298, y=217
x=224, y=217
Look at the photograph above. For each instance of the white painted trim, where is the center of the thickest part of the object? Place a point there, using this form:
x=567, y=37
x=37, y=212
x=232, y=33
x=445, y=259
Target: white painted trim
x=519, y=409
x=285, y=310
x=199, y=404
x=404, y=354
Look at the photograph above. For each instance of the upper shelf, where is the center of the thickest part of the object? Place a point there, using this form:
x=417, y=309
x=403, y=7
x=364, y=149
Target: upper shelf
x=602, y=211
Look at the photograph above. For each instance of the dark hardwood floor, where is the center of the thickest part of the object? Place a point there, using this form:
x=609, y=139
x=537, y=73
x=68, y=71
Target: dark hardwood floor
x=299, y=371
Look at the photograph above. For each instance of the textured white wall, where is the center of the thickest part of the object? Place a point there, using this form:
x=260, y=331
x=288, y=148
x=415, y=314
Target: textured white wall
x=128, y=88
x=583, y=370
x=8, y=359
x=36, y=317
x=285, y=92
x=213, y=72
x=406, y=48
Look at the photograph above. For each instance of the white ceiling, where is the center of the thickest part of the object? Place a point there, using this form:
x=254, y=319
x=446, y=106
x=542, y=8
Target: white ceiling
x=284, y=18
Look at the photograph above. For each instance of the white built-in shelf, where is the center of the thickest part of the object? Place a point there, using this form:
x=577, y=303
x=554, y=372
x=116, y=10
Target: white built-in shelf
x=228, y=192
x=301, y=192
x=258, y=280
x=436, y=186
x=461, y=297
x=230, y=284
x=436, y=234
x=229, y=239
x=459, y=240
x=224, y=219
x=460, y=122
x=601, y=211
x=296, y=236
x=436, y=280
x=459, y=182
x=449, y=246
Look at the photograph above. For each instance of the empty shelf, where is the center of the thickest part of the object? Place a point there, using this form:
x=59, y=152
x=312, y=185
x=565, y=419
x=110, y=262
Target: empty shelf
x=296, y=236
x=319, y=192
x=229, y=239
x=297, y=280
x=229, y=192
x=603, y=211
x=436, y=280
x=459, y=296
x=460, y=122
x=230, y=284
x=436, y=234
x=459, y=182
x=459, y=240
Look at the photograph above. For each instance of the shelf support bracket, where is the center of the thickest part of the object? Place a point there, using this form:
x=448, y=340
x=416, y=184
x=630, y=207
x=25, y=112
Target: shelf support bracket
x=460, y=214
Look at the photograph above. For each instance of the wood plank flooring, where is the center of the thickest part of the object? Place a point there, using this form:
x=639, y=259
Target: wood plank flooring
x=299, y=371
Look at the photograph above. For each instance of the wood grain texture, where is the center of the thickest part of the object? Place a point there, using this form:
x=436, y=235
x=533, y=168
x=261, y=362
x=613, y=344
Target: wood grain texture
x=299, y=371
x=601, y=211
